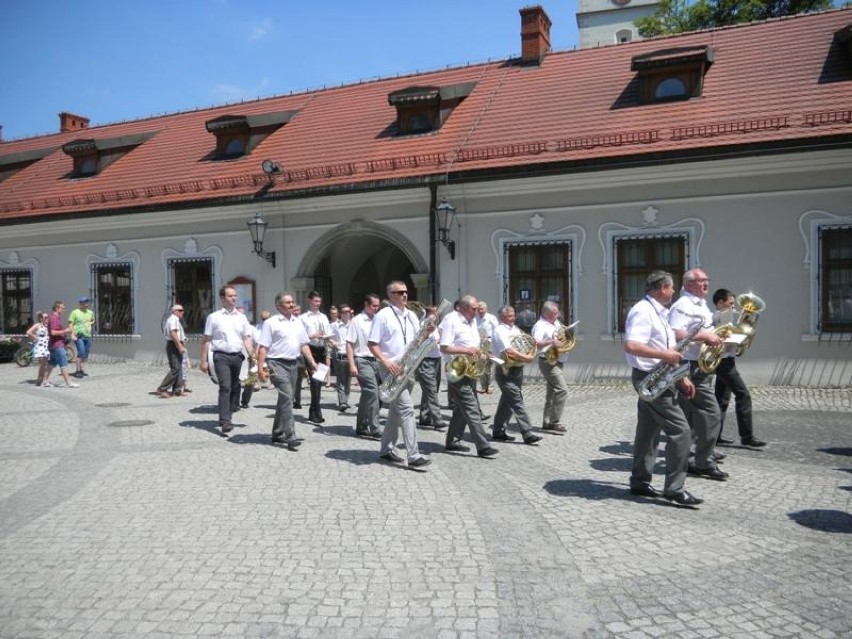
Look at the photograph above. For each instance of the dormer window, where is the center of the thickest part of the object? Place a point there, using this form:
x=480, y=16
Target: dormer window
x=424, y=109
x=672, y=74
x=239, y=135
x=843, y=37
x=14, y=162
x=93, y=156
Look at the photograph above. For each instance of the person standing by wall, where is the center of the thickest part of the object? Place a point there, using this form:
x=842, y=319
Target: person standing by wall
x=82, y=322
x=39, y=335
x=57, y=333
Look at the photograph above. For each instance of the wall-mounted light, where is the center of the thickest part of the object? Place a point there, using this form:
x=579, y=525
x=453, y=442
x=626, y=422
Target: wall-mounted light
x=445, y=213
x=257, y=228
x=270, y=168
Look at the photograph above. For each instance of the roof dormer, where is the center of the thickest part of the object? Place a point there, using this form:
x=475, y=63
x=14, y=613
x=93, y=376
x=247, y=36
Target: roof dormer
x=239, y=135
x=424, y=109
x=14, y=162
x=672, y=74
x=92, y=156
x=843, y=37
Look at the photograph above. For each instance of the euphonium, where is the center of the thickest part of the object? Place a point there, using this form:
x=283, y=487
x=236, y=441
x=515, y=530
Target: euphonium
x=414, y=353
x=523, y=343
x=565, y=334
x=751, y=307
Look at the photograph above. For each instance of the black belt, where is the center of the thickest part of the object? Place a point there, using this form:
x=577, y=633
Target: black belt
x=341, y=356
x=281, y=359
x=370, y=357
x=228, y=352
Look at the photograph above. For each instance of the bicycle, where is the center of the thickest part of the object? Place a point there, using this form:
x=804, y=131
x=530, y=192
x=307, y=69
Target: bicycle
x=24, y=355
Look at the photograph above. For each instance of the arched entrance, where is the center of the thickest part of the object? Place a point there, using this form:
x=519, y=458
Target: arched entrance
x=358, y=258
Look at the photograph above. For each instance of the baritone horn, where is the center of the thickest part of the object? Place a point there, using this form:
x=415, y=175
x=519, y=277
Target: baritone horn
x=751, y=306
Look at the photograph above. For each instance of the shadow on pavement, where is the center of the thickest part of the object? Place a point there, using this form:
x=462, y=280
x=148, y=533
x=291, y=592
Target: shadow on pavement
x=846, y=452
x=595, y=490
x=204, y=410
x=358, y=457
x=208, y=426
x=622, y=448
x=833, y=521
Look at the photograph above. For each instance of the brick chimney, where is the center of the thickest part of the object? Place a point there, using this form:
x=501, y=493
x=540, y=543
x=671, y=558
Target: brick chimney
x=535, y=34
x=71, y=122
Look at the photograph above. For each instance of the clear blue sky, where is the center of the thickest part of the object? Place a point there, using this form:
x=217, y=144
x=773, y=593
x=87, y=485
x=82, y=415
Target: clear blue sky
x=114, y=60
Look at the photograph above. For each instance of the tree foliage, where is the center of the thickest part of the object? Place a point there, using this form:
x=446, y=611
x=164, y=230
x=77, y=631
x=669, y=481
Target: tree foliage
x=677, y=16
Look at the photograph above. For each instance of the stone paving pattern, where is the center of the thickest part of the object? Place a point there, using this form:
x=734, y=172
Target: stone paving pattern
x=125, y=515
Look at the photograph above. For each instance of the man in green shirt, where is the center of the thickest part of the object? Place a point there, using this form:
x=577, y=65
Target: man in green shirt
x=82, y=320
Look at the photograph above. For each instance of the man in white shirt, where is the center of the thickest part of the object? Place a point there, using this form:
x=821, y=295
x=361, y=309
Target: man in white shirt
x=175, y=349
x=364, y=366
x=544, y=334
x=227, y=332
x=393, y=329
x=318, y=329
x=510, y=380
x=460, y=337
x=702, y=409
x=282, y=339
x=648, y=340
x=340, y=330
x=485, y=324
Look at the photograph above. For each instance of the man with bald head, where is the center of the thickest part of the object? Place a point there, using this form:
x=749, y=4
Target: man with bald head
x=702, y=409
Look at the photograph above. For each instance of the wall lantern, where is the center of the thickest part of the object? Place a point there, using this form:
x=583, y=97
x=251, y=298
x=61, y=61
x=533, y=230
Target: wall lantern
x=257, y=228
x=445, y=214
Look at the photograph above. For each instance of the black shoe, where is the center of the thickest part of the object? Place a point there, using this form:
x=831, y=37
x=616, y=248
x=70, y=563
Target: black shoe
x=369, y=436
x=243, y=405
x=724, y=440
x=645, y=491
x=316, y=419
x=718, y=456
x=487, y=453
x=419, y=464
x=684, y=499
x=297, y=405
x=457, y=448
x=391, y=456
x=753, y=442
x=484, y=417
x=424, y=422
x=532, y=439
x=84, y=373
x=502, y=437
x=343, y=408
x=226, y=427
x=441, y=426
x=707, y=473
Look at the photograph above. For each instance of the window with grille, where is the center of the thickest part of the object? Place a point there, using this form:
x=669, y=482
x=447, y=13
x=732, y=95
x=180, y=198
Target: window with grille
x=636, y=258
x=193, y=289
x=17, y=300
x=836, y=279
x=538, y=273
x=114, y=299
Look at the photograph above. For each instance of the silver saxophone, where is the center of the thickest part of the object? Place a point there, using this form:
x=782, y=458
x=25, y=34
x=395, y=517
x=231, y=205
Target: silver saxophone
x=414, y=353
x=664, y=375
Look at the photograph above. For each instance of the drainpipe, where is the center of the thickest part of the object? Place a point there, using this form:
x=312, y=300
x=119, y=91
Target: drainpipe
x=433, y=241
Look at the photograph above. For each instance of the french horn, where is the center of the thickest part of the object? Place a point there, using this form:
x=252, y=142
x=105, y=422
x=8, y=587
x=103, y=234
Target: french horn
x=523, y=343
x=565, y=335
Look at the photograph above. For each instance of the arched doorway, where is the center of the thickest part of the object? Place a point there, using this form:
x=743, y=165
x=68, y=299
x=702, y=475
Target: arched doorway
x=358, y=258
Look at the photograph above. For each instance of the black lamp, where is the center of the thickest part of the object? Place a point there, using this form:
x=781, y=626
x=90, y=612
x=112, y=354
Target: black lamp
x=445, y=213
x=270, y=168
x=257, y=228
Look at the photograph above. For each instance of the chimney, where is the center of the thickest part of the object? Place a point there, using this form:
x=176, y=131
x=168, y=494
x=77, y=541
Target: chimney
x=71, y=122
x=535, y=34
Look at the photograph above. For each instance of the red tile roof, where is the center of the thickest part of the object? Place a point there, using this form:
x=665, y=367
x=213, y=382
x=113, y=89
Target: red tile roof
x=781, y=82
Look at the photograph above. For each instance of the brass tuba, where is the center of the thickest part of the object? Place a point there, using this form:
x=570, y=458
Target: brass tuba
x=523, y=343
x=709, y=357
x=565, y=334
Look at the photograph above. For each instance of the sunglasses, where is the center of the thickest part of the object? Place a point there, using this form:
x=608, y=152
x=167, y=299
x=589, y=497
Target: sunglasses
x=399, y=292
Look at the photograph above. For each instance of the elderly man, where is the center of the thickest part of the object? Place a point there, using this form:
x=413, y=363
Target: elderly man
x=394, y=328
x=510, y=379
x=648, y=341
x=282, y=339
x=175, y=350
x=702, y=410
x=459, y=337
x=363, y=365
x=544, y=333
x=228, y=333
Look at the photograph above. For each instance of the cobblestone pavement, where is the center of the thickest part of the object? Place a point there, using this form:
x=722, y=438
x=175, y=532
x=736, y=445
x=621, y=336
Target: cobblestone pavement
x=125, y=515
